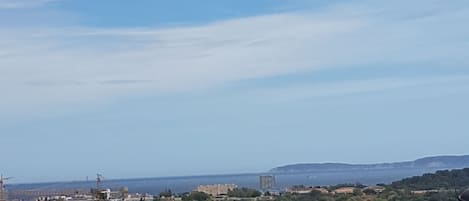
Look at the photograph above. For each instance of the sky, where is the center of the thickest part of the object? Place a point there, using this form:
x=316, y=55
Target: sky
x=170, y=88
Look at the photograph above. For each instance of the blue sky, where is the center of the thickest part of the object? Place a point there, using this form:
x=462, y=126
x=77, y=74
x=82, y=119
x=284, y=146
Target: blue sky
x=214, y=87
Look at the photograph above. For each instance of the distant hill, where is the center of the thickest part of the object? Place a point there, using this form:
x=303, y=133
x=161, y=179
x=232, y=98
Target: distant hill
x=437, y=162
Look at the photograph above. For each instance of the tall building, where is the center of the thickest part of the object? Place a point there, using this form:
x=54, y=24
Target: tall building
x=267, y=182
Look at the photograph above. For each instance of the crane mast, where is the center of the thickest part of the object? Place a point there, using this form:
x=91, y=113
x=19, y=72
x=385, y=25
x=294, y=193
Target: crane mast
x=2, y=187
x=99, y=179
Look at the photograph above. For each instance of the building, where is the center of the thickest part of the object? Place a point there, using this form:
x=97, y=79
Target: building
x=267, y=182
x=345, y=190
x=377, y=189
x=216, y=190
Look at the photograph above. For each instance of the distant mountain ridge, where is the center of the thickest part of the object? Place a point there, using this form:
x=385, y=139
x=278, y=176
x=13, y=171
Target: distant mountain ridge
x=435, y=162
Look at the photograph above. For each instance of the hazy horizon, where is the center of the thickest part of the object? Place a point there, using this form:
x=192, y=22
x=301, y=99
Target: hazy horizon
x=166, y=88
x=91, y=179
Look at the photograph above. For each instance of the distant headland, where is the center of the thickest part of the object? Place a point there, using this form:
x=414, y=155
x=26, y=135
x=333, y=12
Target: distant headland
x=435, y=162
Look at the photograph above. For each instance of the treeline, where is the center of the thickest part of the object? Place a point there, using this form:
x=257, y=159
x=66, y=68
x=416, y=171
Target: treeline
x=388, y=194
x=445, y=179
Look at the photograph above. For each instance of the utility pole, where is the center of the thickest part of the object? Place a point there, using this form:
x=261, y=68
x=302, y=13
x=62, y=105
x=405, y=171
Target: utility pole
x=2, y=187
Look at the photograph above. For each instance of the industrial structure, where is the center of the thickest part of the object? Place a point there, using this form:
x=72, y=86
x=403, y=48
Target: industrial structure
x=101, y=194
x=98, y=193
x=3, y=194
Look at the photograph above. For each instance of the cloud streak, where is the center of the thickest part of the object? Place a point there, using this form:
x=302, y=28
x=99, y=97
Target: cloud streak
x=305, y=92
x=20, y=4
x=126, y=81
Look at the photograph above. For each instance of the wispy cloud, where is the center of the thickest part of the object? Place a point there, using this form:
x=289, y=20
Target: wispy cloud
x=18, y=4
x=305, y=92
x=125, y=81
x=46, y=83
x=191, y=57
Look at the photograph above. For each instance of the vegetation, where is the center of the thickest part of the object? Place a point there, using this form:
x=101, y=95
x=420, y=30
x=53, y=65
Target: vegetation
x=166, y=193
x=369, y=191
x=406, y=195
x=454, y=179
x=313, y=196
x=196, y=196
x=244, y=193
x=440, y=186
x=388, y=195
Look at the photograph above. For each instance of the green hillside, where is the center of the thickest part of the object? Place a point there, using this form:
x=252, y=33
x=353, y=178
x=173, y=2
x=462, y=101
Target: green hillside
x=445, y=179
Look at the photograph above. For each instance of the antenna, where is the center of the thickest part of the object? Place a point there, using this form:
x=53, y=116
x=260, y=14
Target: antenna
x=2, y=187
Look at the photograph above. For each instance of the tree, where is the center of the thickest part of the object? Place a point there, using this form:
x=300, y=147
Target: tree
x=369, y=191
x=167, y=193
x=357, y=192
x=196, y=196
x=244, y=193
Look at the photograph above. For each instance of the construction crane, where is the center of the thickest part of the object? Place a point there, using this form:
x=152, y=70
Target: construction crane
x=99, y=179
x=2, y=187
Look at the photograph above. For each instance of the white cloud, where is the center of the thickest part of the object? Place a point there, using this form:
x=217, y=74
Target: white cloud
x=57, y=65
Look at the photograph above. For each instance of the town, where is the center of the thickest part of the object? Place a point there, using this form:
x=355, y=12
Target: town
x=414, y=189
x=218, y=192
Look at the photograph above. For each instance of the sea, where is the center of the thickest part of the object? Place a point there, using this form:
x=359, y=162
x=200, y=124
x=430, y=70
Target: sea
x=189, y=183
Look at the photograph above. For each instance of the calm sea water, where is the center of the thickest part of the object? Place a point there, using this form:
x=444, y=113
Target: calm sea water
x=187, y=184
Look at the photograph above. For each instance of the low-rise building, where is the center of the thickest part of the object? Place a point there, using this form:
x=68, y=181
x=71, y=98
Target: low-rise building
x=377, y=189
x=216, y=190
x=345, y=190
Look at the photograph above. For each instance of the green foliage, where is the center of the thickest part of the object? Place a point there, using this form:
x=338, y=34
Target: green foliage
x=196, y=196
x=406, y=195
x=315, y=196
x=357, y=192
x=454, y=179
x=166, y=193
x=369, y=191
x=244, y=193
